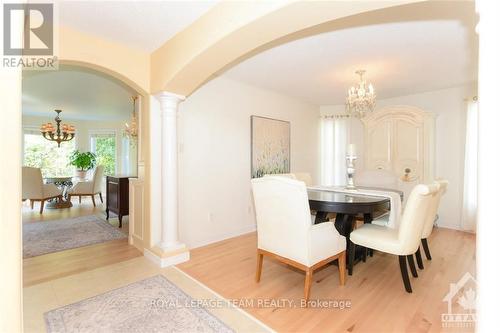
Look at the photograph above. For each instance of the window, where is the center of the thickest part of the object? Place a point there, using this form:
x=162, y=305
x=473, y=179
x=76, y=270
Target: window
x=103, y=144
x=44, y=154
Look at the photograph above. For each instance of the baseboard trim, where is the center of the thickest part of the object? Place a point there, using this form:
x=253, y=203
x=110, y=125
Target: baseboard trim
x=221, y=237
x=167, y=261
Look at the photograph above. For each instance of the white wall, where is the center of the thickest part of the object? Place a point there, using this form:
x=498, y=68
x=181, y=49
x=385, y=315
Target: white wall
x=450, y=107
x=82, y=138
x=214, y=155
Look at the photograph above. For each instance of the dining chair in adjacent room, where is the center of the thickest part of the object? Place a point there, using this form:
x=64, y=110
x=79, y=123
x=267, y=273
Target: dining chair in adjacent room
x=430, y=219
x=34, y=189
x=403, y=241
x=285, y=231
x=88, y=188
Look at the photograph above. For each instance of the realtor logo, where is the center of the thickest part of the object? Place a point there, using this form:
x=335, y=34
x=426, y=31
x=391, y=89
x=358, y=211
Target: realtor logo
x=462, y=293
x=38, y=29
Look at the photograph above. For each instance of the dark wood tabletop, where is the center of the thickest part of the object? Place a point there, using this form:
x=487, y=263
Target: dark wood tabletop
x=347, y=207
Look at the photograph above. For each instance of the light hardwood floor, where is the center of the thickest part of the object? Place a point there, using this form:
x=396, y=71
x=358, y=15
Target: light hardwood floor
x=59, y=264
x=379, y=301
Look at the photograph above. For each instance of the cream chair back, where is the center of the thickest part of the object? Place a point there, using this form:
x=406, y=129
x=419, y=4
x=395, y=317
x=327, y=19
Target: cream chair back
x=377, y=178
x=283, y=216
x=285, y=175
x=97, y=178
x=304, y=177
x=434, y=206
x=32, y=181
x=414, y=217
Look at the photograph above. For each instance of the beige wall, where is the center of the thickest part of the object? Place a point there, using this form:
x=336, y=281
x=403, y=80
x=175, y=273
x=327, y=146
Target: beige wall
x=214, y=155
x=450, y=109
x=126, y=64
x=10, y=199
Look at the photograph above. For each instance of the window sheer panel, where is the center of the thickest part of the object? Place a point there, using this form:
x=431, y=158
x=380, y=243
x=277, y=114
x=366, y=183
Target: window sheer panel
x=469, y=210
x=334, y=133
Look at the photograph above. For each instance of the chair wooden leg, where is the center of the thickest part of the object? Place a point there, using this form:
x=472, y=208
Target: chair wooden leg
x=308, y=282
x=100, y=196
x=365, y=252
x=93, y=199
x=342, y=268
x=404, y=273
x=352, y=251
x=32, y=202
x=79, y=199
x=260, y=258
x=426, y=249
x=41, y=206
x=69, y=197
x=418, y=255
x=411, y=263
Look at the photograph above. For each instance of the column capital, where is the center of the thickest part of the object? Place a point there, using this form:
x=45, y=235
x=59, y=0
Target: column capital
x=168, y=98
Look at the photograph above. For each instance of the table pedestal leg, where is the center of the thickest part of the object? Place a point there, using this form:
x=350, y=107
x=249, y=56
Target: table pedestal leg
x=368, y=218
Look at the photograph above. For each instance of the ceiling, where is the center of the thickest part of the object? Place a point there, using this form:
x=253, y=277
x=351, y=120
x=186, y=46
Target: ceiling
x=404, y=51
x=81, y=94
x=143, y=25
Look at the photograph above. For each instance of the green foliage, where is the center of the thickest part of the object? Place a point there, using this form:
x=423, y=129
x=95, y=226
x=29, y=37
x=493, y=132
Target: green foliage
x=83, y=161
x=105, y=150
x=43, y=154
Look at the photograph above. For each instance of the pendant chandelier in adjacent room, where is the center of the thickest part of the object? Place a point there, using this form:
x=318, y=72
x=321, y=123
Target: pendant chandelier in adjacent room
x=59, y=133
x=361, y=97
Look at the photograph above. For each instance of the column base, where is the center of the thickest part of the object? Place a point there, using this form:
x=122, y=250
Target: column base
x=167, y=257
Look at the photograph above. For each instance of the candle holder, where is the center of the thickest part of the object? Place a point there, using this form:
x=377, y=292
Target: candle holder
x=350, y=172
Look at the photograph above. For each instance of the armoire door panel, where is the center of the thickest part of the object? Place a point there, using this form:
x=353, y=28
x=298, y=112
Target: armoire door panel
x=378, y=145
x=408, y=148
x=400, y=139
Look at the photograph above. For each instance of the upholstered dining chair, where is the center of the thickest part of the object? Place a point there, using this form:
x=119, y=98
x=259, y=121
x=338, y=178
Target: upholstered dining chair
x=88, y=188
x=403, y=241
x=34, y=189
x=304, y=177
x=429, y=222
x=285, y=231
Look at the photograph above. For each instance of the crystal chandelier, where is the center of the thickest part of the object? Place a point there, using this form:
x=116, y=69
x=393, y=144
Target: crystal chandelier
x=58, y=134
x=360, y=98
x=131, y=130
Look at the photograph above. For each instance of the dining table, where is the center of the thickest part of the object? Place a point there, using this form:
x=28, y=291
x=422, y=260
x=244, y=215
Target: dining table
x=64, y=183
x=348, y=207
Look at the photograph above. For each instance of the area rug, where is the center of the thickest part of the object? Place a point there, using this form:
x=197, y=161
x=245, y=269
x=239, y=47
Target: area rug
x=151, y=305
x=54, y=236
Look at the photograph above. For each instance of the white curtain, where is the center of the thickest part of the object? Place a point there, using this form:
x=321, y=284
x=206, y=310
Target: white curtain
x=334, y=135
x=470, y=169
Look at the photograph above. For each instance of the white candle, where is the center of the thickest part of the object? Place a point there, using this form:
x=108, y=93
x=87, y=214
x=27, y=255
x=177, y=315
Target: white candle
x=351, y=150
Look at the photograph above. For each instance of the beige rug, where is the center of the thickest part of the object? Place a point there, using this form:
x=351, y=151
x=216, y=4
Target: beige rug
x=151, y=305
x=44, y=300
x=54, y=236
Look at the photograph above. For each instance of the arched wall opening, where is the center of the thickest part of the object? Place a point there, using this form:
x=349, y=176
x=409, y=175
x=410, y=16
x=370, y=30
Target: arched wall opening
x=138, y=148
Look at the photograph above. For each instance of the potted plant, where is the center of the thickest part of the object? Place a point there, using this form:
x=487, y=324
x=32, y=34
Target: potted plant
x=83, y=162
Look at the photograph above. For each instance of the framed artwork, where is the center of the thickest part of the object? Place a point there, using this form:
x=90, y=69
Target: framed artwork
x=270, y=146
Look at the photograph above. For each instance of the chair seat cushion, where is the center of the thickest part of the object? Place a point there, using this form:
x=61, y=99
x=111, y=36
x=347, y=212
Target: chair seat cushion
x=378, y=238
x=382, y=220
x=82, y=188
x=50, y=191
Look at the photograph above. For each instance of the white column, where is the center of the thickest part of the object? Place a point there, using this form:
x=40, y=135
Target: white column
x=169, y=104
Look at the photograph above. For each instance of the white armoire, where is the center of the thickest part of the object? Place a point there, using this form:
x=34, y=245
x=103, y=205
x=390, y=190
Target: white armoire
x=400, y=139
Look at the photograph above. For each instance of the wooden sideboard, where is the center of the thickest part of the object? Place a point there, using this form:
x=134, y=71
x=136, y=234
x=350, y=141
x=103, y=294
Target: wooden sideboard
x=117, y=200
